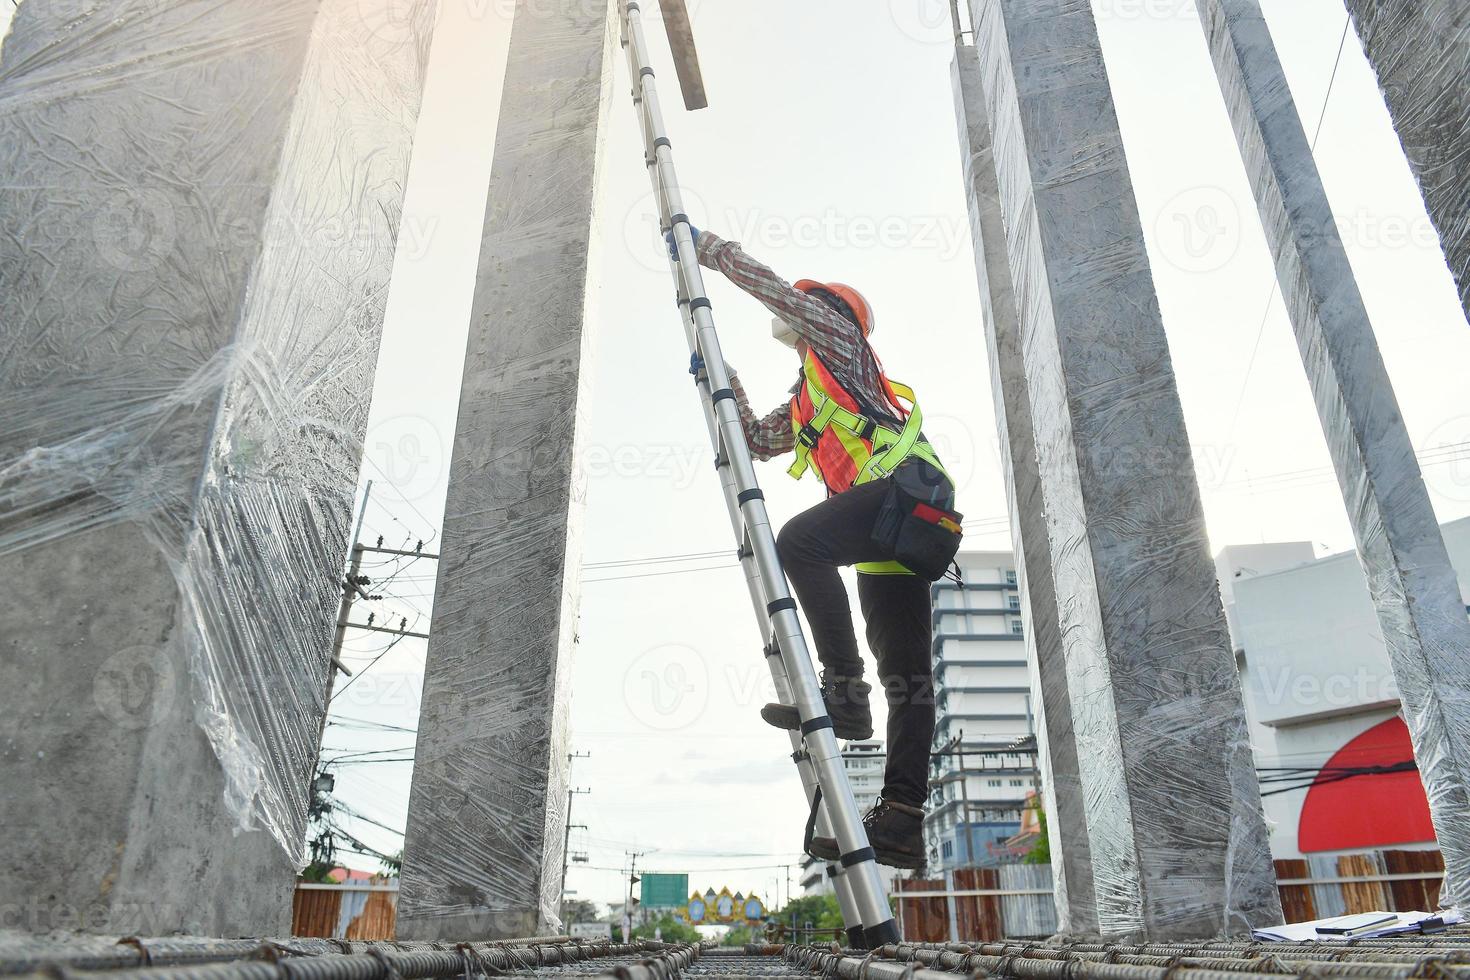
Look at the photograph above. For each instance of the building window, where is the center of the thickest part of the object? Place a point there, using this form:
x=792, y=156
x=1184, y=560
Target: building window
x=1013, y=603
x=1018, y=782
x=1011, y=577
x=1018, y=628
x=992, y=782
x=947, y=849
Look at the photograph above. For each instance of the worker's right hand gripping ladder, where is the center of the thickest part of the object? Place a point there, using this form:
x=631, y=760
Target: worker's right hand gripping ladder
x=855, y=878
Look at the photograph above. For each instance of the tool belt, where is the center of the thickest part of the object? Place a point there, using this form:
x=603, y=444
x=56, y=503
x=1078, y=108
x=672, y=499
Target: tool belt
x=917, y=524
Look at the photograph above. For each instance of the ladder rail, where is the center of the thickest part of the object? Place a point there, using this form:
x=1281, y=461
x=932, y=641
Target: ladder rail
x=834, y=871
x=816, y=743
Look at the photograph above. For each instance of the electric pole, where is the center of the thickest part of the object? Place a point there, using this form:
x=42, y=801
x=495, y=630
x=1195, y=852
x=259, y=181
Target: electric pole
x=566, y=845
x=630, y=901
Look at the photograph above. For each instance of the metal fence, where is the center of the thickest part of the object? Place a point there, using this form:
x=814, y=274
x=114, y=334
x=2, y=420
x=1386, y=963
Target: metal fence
x=349, y=911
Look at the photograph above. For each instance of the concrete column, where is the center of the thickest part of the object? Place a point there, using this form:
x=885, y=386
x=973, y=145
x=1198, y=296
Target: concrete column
x=1071, y=858
x=1420, y=50
x=1399, y=543
x=197, y=226
x=485, y=824
x=1179, y=846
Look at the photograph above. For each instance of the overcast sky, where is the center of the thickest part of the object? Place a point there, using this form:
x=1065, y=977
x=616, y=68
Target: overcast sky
x=829, y=149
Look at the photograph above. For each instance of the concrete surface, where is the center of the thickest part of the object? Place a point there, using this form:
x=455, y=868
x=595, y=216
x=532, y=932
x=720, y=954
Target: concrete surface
x=485, y=825
x=1420, y=50
x=1056, y=741
x=1179, y=846
x=1414, y=587
x=185, y=337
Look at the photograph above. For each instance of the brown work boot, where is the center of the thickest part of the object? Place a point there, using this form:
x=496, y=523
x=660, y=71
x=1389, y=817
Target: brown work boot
x=895, y=832
x=846, y=699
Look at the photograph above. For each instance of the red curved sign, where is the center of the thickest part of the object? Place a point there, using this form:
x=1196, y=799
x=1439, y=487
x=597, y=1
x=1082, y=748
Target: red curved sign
x=1367, y=811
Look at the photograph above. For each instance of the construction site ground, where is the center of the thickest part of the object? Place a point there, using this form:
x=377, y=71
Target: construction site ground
x=1445, y=954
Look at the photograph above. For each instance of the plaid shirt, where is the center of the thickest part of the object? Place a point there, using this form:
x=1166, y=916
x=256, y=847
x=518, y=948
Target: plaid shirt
x=838, y=342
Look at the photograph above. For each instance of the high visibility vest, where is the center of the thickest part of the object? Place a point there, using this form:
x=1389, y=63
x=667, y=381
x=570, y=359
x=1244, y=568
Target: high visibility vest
x=845, y=447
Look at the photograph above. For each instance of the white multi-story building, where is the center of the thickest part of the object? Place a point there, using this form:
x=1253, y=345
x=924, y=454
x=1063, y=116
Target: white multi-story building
x=984, y=712
x=864, y=763
x=1319, y=693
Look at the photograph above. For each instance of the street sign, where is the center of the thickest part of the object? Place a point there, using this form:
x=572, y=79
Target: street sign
x=665, y=891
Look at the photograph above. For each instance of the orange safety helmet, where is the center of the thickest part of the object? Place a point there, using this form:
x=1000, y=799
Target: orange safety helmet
x=845, y=296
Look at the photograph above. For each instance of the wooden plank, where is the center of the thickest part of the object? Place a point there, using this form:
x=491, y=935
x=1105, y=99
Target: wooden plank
x=1296, y=900
x=686, y=58
x=1414, y=895
x=1362, y=896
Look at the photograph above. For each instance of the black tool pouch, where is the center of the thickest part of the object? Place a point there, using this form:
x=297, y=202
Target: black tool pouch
x=917, y=524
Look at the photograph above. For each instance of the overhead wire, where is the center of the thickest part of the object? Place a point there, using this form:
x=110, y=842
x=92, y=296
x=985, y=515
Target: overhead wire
x=1275, y=283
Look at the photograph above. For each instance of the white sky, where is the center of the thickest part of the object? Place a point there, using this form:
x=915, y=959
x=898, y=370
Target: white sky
x=829, y=149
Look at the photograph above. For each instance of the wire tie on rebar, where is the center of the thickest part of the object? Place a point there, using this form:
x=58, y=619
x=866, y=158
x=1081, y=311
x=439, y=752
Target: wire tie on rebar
x=137, y=943
x=390, y=971
x=273, y=952
x=1174, y=964
x=472, y=955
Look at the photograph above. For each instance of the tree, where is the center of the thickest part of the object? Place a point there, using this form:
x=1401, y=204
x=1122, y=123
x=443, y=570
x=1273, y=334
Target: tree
x=740, y=935
x=671, y=929
x=822, y=911
x=1040, y=852
x=579, y=910
x=319, y=873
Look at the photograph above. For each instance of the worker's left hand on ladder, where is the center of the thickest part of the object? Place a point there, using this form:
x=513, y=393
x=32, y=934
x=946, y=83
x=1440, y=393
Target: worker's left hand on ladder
x=674, y=245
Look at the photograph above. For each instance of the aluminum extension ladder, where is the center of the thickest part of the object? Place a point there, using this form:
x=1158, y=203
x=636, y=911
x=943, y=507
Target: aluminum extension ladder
x=855, y=878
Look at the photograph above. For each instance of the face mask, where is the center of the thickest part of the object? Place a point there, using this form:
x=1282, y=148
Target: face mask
x=782, y=331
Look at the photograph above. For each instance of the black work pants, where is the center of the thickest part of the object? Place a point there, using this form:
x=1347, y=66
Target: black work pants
x=896, y=609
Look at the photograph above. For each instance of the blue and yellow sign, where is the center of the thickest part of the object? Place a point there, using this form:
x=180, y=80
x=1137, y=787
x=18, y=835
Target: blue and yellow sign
x=723, y=908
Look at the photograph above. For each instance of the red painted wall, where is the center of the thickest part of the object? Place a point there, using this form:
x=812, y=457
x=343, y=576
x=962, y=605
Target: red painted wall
x=1367, y=811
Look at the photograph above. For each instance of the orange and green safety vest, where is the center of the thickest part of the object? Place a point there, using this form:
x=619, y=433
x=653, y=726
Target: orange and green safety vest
x=846, y=448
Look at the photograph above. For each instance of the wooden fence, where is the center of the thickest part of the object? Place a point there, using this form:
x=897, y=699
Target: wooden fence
x=1014, y=901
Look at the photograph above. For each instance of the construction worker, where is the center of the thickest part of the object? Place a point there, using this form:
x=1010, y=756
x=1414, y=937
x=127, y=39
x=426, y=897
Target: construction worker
x=846, y=423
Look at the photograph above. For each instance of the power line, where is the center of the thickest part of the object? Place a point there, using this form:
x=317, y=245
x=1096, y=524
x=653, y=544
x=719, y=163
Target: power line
x=433, y=532
x=1275, y=283
x=659, y=559
x=677, y=571
x=349, y=722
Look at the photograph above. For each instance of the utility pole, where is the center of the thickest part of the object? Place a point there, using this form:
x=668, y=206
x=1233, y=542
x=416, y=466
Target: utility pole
x=566, y=846
x=349, y=592
x=350, y=587
x=628, y=902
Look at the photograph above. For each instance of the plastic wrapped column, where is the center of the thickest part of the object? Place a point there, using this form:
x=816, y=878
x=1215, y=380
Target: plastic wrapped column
x=1071, y=858
x=197, y=226
x=1179, y=845
x=1413, y=585
x=485, y=823
x=1420, y=50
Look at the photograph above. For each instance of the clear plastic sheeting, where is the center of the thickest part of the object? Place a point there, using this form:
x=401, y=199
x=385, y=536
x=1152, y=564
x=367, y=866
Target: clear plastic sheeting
x=1420, y=50
x=1056, y=745
x=1178, y=841
x=486, y=823
x=1414, y=588
x=197, y=228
